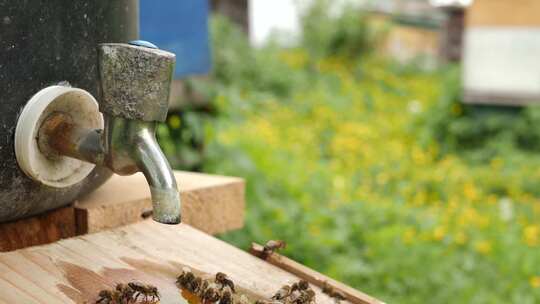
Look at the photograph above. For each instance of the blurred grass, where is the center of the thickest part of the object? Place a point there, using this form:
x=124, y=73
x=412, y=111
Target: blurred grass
x=374, y=172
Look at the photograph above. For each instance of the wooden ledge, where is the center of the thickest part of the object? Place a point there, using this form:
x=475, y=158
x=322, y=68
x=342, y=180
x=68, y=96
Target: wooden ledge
x=211, y=203
x=75, y=270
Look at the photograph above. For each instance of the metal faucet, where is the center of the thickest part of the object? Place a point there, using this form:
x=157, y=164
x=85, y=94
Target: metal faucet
x=135, y=87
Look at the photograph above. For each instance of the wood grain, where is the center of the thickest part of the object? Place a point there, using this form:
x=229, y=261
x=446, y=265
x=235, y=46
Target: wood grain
x=211, y=203
x=75, y=270
x=316, y=278
x=42, y=229
x=520, y=13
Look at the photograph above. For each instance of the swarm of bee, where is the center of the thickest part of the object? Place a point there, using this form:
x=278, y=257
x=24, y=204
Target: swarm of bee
x=130, y=293
x=297, y=293
x=219, y=291
x=222, y=291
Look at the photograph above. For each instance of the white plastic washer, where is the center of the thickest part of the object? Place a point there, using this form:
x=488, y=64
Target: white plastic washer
x=63, y=171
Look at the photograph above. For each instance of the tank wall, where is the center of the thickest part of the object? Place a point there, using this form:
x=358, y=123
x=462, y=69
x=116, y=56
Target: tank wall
x=45, y=42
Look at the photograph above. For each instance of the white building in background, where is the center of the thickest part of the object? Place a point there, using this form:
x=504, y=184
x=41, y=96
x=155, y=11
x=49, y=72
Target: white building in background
x=275, y=17
x=281, y=18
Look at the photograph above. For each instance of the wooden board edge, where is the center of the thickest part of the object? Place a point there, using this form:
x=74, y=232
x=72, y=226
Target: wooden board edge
x=316, y=278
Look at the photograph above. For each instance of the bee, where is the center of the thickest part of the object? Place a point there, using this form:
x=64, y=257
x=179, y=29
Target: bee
x=126, y=293
x=223, y=280
x=108, y=297
x=329, y=290
x=272, y=246
x=226, y=297
x=210, y=295
x=300, y=285
x=194, y=285
x=309, y=295
x=326, y=288
x=294, y=296
x=202, y=288
x=185, y=279
x=147, y=291
x=338, y=295
x=282, y=293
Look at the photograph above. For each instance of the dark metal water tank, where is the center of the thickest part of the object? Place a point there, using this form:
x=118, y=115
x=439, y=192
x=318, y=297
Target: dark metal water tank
x=45, y=42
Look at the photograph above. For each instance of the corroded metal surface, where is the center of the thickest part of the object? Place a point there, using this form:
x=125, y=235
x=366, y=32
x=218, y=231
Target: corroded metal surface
x=126, y=146
x=135, y=81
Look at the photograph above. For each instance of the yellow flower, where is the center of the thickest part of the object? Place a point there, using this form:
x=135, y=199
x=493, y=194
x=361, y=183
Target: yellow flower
x=483, y=247
x=496, y=163
x=175, y=122
x=470, y=192
x=295, y=59
x=531, y=235
x=492, y=199
x=408, y=235
x=460, y=238
x=535, y=281
x=439, y=233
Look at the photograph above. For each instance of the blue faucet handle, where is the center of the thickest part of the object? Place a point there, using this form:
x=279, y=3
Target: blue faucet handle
x=143, y=43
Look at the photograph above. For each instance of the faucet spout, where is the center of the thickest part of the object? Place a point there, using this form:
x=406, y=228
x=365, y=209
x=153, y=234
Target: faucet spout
x=155, y=167
x=130, y=146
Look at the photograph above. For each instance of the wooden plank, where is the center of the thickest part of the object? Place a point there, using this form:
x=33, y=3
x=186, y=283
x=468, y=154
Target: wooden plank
x=211, y=203
x=496, y=13
x=312, y=276
x=42, y=229
x=75, y=270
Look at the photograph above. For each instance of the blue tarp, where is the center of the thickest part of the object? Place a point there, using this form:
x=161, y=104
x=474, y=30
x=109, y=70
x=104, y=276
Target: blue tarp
x=181, y=27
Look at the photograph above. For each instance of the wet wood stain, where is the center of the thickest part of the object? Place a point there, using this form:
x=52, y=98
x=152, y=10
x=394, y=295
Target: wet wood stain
x=85, y=284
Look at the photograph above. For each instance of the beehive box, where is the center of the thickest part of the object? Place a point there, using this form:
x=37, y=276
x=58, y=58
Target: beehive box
x=502, y=42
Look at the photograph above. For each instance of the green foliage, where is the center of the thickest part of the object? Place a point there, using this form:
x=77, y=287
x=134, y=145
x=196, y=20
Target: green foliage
x=480, y=132
x=182, y=138
x=374, y=173
x=326, y=35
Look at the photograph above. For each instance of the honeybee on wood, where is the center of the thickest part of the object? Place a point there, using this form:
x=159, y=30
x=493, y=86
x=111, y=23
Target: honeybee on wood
x=202, y=288
x=194, y=285
x=185, y=278
x=273, y=245
x=308, y=296
x=223, y=280
x=294, y=296
x=108, y=297
x=126, y=293
x=226, y=297
x=339, y=295
x=282, y=293
x=210, y=295
x=326, y=288
x=329, y=290
x=144, y=290
x=300, y=285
